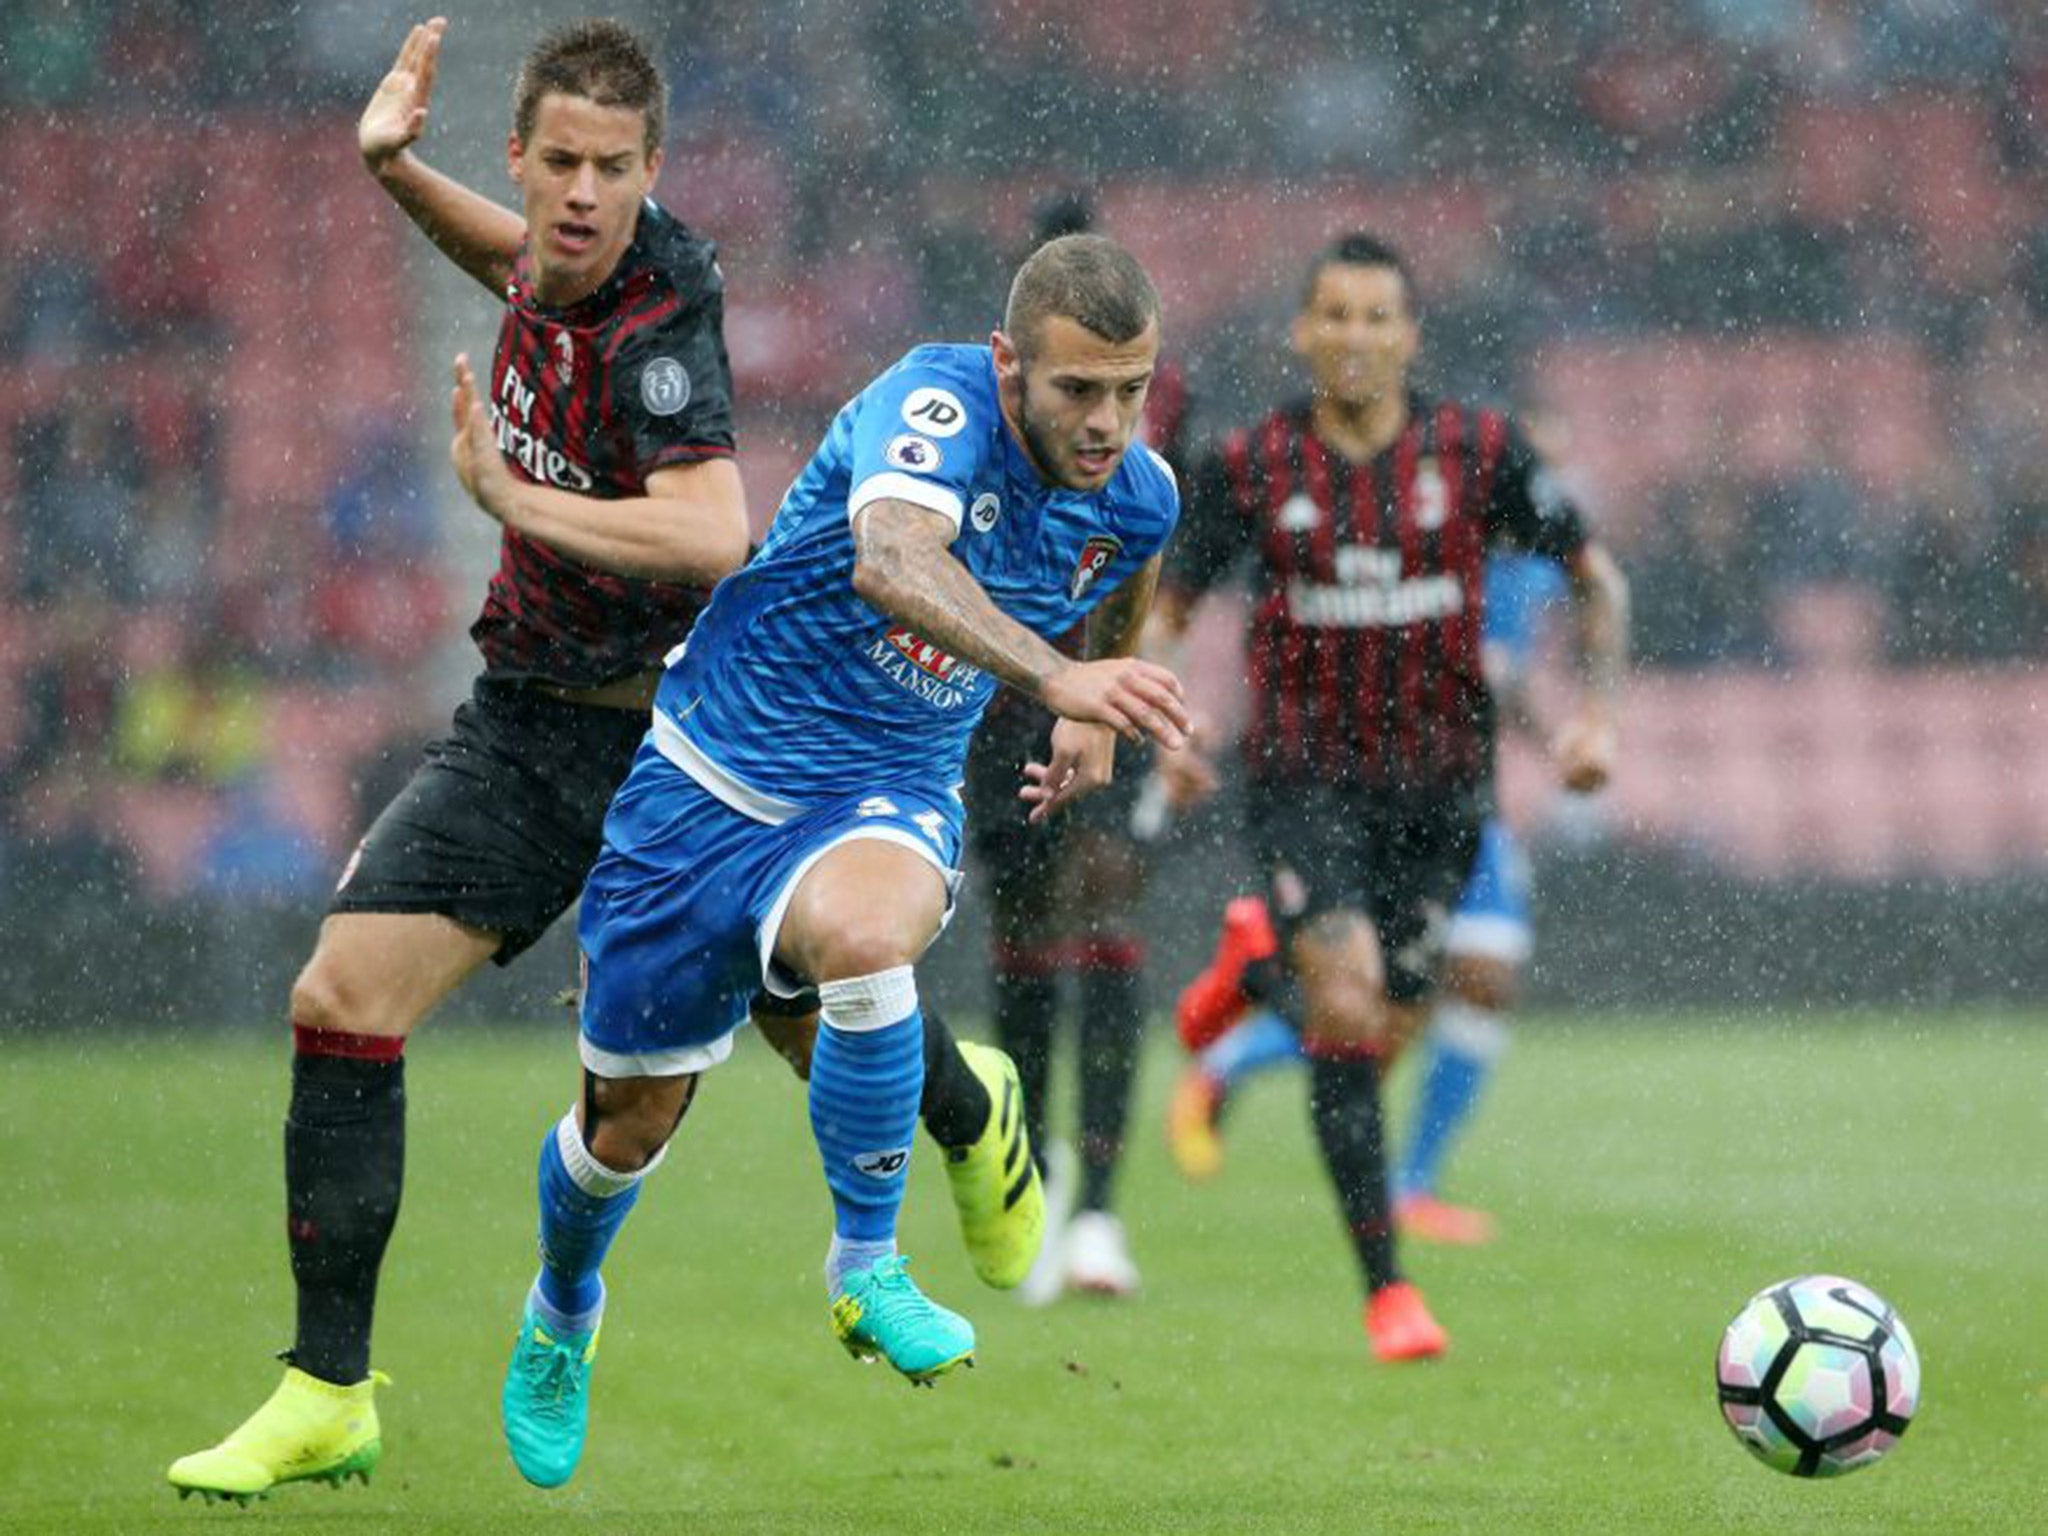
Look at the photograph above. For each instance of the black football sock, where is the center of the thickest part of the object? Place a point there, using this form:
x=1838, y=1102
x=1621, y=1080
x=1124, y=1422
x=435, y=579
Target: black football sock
x=1112, y=1024
x=1025, y=1004
x=1344, y=1102
x=955, y=1104
x=344, y=1166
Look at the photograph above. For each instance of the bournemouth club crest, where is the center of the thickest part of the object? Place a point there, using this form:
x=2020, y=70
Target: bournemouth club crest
x=1096, y=554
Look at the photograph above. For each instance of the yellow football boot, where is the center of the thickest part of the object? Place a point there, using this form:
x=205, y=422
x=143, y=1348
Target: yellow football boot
x=309, y=1430
x=996, y=1187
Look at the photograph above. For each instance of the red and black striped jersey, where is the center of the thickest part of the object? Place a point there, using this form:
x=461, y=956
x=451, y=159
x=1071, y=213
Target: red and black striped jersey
x=593, y=399
x=1368, y=587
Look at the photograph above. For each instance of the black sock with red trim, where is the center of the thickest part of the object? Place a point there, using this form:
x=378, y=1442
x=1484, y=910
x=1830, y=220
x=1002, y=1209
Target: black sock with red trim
x=1344, y=1102
x=344, y=1166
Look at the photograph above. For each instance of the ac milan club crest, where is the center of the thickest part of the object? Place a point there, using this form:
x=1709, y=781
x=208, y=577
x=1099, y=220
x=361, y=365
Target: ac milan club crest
x=1096, y=554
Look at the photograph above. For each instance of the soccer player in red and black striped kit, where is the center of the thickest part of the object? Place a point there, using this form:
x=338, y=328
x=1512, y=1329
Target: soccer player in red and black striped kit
x=1367, y=512
x=601, y=441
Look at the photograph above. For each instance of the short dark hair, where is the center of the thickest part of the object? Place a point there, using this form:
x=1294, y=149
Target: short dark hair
x=600, y=60
x=1357, y=249
x=1091, y=280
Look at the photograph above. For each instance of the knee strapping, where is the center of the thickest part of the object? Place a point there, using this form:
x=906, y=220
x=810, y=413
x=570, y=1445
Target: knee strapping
x=590, y=1175
x=861, y=1003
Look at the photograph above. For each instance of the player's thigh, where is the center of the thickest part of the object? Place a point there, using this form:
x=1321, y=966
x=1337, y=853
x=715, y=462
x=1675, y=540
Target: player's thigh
x=381, y=973
x=1483, y=980
x=1018, y=863
x=499, y=824
x=1420, y=863
x=1020, y=872
x=1107, y=870
x=866, y=905
x=668, y=926
x=1337, y=964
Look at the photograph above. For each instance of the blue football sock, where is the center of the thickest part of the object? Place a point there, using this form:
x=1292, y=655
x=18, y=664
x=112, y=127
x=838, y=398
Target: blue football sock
x=867, y=1073
x=582, y=1205
x=1262, y=1040
x=1464, y=1044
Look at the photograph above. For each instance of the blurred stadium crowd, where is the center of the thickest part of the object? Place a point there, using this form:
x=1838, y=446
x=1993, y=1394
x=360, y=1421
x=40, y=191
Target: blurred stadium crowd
x=1772, y=273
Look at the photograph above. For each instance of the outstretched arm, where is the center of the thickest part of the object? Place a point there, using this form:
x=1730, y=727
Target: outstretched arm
x=478, y=235
x=1586, y=747
x=690, y=526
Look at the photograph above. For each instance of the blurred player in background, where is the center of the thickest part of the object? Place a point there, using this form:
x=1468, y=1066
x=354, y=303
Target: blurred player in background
x=1063, y=896
x=1488, y=944
x=1368, y=512
x=794, y=822
x=1486, y=949
x=601, y=441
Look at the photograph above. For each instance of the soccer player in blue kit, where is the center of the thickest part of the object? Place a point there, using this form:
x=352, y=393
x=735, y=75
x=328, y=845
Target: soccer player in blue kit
x=792, y=819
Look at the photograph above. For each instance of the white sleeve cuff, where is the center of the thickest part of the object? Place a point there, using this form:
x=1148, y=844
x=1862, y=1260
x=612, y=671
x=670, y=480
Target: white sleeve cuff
x=891, y=486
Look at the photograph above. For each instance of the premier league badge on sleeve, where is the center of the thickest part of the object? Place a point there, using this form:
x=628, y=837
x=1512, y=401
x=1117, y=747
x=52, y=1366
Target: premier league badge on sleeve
x=909, y=451
x=664, y=386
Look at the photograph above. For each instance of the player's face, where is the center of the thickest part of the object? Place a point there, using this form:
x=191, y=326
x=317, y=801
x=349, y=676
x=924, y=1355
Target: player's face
x=1076, y=401
x=1357, y=334
x=582, y=172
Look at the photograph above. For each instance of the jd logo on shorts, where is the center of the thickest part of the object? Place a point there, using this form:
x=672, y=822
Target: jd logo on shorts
x=882, y=1165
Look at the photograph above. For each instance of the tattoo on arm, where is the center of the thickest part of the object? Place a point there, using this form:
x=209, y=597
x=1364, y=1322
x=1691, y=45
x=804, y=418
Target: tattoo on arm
x=903, y=567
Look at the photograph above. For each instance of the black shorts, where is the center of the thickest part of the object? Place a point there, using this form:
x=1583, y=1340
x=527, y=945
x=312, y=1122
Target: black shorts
x=503, y=819
x=1008, y=848
x=1400, y=858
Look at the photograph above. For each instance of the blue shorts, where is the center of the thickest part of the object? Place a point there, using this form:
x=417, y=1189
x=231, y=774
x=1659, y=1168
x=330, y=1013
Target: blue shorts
x=682, y=910
x=1492, y=917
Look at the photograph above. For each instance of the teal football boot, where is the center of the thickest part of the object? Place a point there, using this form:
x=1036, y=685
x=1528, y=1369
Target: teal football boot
x=880, y=1313
x=546, y=1405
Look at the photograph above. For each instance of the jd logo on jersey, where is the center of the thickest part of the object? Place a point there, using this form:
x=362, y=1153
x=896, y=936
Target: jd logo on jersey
x=936, y=412
x=1096, y=554
x=882, y=1165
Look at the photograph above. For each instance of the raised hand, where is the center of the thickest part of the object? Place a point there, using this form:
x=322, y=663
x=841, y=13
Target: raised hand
x=397, y=113
x=1082, y=760
x=1134, y=698
x=478, y=464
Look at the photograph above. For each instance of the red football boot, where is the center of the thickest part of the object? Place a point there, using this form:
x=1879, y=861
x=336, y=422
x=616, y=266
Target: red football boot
x=1212, y=1002
x=1400, y=1327
x=1438, y=1221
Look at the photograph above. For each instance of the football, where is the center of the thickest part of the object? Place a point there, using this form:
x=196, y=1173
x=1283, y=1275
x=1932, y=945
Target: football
x=1817, y=1376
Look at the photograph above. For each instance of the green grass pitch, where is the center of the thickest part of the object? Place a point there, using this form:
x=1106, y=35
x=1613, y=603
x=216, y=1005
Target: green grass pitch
x=1649, y=1176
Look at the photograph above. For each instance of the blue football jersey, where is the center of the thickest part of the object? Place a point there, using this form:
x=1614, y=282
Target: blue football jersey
x=1520, y=588
x=792, y=690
